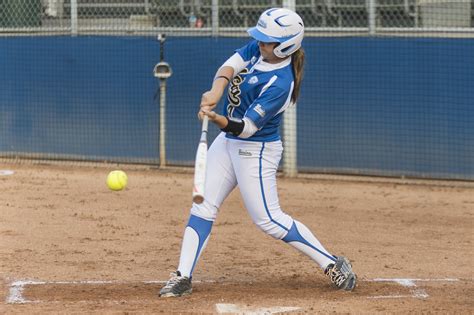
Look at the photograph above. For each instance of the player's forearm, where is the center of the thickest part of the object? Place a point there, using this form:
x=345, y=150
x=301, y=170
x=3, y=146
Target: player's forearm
x=220, y=121
x=243, y=128
x=222, y=79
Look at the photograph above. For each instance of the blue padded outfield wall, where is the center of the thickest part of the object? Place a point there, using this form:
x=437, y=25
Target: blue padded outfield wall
x=376, y=106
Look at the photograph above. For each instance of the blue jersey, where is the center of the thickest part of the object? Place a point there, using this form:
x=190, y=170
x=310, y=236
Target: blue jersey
x=260, y=92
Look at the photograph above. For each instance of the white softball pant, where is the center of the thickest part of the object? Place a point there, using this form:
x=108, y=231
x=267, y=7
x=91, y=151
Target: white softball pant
x=253, y=167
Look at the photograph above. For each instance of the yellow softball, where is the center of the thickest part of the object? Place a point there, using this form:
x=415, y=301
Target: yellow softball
x=117, y=180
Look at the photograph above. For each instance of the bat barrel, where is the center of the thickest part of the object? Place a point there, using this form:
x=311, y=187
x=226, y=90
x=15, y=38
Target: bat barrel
x=200, y=165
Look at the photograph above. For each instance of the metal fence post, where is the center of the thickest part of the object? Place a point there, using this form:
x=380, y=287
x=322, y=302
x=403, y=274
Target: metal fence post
x=74, y=17
x=215, y=18
x=162, y=123
x=289, y=4
x=372, y=16
x=290, y=167
x=162, y=71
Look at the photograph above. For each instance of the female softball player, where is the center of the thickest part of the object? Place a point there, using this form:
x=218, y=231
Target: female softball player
x=264, y=78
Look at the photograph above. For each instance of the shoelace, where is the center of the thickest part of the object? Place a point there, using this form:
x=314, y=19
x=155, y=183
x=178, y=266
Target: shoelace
x=336, y=276
x=174, y=278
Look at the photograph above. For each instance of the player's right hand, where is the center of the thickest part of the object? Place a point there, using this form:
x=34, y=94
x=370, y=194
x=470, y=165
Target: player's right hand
x=211, y=114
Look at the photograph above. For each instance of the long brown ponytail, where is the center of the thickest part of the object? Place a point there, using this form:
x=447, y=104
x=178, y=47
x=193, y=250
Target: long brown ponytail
x=297, y=60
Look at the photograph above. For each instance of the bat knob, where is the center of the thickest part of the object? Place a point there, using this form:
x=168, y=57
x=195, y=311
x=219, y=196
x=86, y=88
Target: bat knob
x=198, y=199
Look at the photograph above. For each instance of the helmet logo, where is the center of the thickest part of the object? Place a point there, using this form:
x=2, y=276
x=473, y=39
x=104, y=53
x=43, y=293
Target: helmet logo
x=262, y=23
x=269, y=12
x=277, y=21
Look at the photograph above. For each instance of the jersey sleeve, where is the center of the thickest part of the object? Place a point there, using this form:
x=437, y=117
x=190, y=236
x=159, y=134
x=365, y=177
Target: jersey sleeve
x=236, y=62
x=268, y=104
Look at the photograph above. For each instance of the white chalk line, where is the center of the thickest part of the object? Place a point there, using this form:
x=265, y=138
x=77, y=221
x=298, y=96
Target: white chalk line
x=15, y=295
x=6, y=172
x=415, y=292
x=238, y=309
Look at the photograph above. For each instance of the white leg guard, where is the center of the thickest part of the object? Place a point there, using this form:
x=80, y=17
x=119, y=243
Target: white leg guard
x=195, y=240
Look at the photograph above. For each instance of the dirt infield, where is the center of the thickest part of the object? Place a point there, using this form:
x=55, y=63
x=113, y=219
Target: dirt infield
x=69, y=245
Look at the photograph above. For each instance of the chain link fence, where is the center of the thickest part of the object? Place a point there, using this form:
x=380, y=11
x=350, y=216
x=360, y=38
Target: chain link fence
x=231, y=17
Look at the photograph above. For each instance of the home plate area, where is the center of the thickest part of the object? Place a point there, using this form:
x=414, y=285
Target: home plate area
x=145, y=292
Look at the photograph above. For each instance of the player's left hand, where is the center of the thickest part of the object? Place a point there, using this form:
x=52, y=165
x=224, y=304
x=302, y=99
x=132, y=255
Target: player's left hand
x=210, y=99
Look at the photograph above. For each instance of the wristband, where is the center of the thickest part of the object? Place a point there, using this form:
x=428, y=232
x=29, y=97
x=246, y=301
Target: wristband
x=234, y=126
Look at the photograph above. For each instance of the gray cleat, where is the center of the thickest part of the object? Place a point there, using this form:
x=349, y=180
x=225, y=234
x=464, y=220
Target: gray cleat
x=341, y=274
x=176, y=286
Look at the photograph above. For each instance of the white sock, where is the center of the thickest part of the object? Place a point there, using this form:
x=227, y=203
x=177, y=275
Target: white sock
x=302, y=239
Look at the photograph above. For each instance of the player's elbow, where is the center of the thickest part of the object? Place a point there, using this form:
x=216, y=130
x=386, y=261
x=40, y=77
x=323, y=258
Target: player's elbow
x=242, y=128
x=249, y=129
